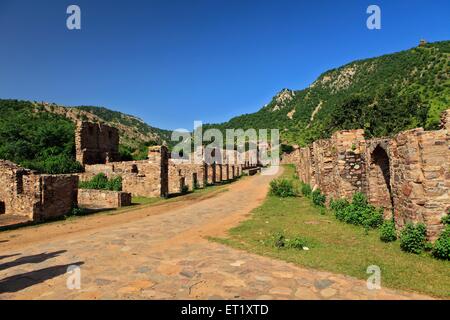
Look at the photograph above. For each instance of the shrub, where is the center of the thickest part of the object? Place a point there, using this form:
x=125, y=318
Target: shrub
x=388, y=232
x=412, y=238
x=101, y=182
x=296, y=243
x=115, y=184
x=184, y=189
x=441, y=248
x=339, y=206
x=278, y=240
x=77, y=211
x=282, y=188
x=306, y=189
x=359, y=212
x=446, y=219
x=318, y=198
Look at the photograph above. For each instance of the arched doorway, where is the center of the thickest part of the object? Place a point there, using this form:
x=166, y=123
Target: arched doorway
x=380, y=176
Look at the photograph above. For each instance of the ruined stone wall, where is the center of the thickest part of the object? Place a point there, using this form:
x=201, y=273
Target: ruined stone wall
x=103, y=199
x=445, y=120
x=420, y=181
x=349, y=176
x=146, y=178
x=20, y=191
x=211, y=173
x=96, y=143
x=305, y=166
x=59, y=195
x=408, y=175
x=324, y=157
x=35, y=196
x=184, y=173
x=291, y=158
x=140, y=178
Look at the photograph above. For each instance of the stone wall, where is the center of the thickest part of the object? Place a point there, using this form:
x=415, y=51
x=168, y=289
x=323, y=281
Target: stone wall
x=35, y=196
x=407, y=175
x=185, y=173
x=103, y=199
x=420, y=181
x=96, y=143
x=59, y=195
x=290, y=158
x=146, y=178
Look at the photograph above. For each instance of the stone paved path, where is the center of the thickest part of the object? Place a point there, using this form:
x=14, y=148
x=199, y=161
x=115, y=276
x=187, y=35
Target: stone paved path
x=166, y=257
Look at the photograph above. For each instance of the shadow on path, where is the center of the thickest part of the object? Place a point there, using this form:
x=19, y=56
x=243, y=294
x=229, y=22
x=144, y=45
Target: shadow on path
x=9, y=256
x=25, y=280
x=38, y=258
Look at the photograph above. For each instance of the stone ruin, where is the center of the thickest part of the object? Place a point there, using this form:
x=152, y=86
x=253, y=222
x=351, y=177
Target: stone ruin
x=157, y=176
x=38, y=196
x=146, y=178
x=33, y=196
x=96, y=143
x=407, y=175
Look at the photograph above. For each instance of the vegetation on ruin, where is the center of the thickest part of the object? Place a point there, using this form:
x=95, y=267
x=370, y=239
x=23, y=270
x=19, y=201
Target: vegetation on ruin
x=42, y=137
x=102, y=182
x=40, y=141
x=335, y=246
x=441, y=248
x=382, y=95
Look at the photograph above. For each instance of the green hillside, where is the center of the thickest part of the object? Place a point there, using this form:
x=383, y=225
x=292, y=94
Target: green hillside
x=382, y=95
x=41, y=136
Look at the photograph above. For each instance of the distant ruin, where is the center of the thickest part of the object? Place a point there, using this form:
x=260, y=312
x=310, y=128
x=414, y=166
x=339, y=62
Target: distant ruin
x=159, y=175
x=407, y=175
x=96, y=143
x=145, y=178
x=39, y=197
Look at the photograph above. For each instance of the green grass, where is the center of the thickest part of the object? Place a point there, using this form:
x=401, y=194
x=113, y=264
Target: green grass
x=336, y=246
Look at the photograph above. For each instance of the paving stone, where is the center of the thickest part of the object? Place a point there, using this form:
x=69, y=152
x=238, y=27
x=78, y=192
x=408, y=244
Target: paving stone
x=155, y=266
x=281, y=290
x=323, y=283
x=328, y=292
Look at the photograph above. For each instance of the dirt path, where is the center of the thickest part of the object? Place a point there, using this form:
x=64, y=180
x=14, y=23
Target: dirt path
x=161, y=253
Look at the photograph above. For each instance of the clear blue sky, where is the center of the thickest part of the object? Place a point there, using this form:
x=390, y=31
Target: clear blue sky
x=173, y=62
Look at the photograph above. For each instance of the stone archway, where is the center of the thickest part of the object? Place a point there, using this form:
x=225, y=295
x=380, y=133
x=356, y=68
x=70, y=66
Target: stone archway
x=380, y=180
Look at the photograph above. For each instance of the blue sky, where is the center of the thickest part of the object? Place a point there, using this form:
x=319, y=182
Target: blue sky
x=173, y=62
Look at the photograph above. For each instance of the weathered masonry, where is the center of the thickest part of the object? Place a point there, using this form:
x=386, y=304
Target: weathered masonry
x=96, y=143
x=35, y=196
x=408, y=175
x=146, y=178
x=157, y=176
x=103, y=199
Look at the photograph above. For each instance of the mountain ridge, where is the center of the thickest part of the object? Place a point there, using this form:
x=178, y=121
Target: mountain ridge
x=416, y=80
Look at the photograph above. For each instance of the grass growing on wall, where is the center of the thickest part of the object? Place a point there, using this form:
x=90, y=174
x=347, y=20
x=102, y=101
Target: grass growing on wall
x=336, y=246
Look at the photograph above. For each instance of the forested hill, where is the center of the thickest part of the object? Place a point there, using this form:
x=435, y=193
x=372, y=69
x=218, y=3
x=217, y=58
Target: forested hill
x=41, y=136
x=382, y=95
